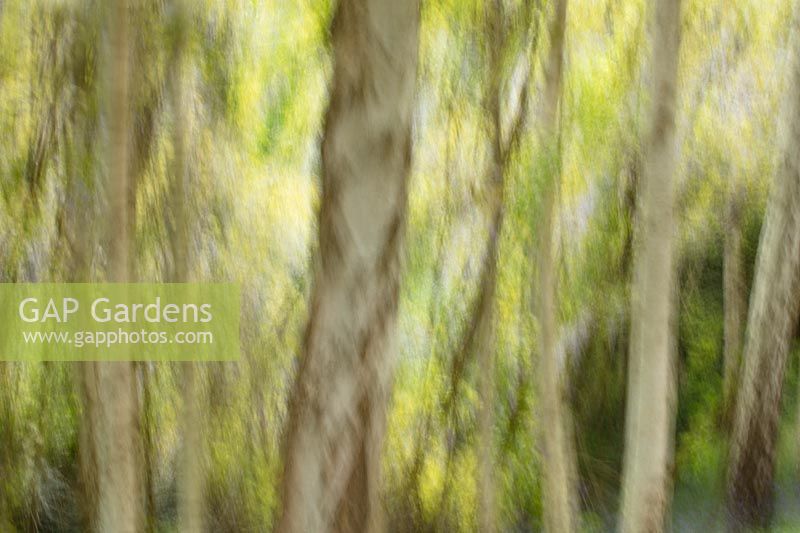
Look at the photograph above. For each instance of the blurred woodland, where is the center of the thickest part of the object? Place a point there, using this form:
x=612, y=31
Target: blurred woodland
x=506, y=265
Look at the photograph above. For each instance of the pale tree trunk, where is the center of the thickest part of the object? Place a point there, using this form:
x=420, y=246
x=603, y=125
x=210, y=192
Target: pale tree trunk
x=651, y=389
x=771, y=318
x=190, y=478
x=115, y=431
x=336, y=424
x=734, y=293
x=558, y=468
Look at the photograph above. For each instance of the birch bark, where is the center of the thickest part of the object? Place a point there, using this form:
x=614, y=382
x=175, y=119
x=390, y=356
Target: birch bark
x=336, y=424
x=651, y=380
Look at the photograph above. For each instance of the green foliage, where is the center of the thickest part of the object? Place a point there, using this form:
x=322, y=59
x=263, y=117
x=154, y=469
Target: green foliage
x=256, y=88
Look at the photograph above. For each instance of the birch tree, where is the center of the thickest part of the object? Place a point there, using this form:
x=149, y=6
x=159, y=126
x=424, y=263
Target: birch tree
x=337, y=418
x=771, y=317
x=646, y=481
x=734, y=289
x=558, y=467
x=190, y=481
x=115, y=431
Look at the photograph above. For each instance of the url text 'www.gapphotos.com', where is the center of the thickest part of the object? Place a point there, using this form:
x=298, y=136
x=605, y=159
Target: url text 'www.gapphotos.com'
x=80, y=339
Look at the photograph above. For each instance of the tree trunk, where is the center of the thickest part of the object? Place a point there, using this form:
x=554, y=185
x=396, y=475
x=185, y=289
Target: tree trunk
x=733, y=297
x=115, y=431
x=651, y=388
x=558, y=504
x=771, y=318
x=336, y=422
x=191, y=475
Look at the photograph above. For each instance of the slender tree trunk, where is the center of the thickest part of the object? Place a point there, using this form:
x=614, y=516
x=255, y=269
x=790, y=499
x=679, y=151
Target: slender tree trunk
x=120, y=190
x=115, y=431
x=557, y=465
x=119, y=505
x=733, y=298
x=336, y=425
x=772, y=314
x=651, y=388
x=191, y=482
